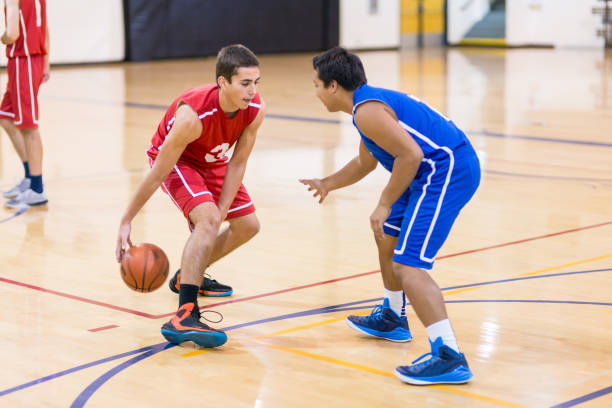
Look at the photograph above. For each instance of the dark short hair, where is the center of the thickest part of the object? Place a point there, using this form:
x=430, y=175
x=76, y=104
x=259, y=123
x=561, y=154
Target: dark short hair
x=340, y=65
x=232, y=57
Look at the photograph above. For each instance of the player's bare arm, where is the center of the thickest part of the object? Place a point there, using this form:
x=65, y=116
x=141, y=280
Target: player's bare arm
x=379, y=123
x=359, y=167
x=11, y=33
x=237, y=164
x=187, y=128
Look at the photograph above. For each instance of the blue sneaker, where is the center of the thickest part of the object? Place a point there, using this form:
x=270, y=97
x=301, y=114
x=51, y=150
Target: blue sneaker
x=445, y=366
x=382, y=322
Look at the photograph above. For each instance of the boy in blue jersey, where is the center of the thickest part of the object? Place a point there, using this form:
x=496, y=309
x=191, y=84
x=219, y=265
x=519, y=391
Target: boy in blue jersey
x=434, y=173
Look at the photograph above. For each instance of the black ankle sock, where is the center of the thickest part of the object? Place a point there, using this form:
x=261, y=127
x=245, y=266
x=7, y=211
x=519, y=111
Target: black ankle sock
x=26, y=168
x=37, y=184
x=188, y=294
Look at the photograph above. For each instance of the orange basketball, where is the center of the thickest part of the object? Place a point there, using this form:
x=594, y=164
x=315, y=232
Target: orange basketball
x=144, y=267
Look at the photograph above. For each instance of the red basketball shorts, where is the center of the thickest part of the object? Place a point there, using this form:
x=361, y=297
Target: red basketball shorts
x=189, y=185
x=20, y=101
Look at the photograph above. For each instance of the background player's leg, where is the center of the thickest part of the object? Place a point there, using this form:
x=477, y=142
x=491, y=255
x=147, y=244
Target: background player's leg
x=34, y=195
x=239, y=231
x=34, y=150
x=16, y=138
x=19, y=145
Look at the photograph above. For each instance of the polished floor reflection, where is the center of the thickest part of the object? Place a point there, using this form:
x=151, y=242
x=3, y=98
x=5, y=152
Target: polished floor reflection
x=526, y=271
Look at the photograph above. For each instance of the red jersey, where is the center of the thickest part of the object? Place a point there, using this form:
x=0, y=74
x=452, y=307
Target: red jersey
x=219, y=131
x=32, y=29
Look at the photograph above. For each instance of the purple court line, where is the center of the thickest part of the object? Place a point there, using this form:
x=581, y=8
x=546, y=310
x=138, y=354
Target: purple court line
x=485, y=132
x=80, y=401
x=72, y=370
x=537, y=176
x=328, y=309
x=584, y=398
x=17, y=214
x=323, y=310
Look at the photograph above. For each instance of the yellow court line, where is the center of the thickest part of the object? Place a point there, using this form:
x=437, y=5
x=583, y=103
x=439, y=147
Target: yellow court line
x=306, y=326
x=538, y=272
x=197, y=352
x=597, y=258
x=452, y=390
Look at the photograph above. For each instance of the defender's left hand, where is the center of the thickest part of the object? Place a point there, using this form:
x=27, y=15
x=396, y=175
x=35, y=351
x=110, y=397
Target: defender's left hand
x=377, y=219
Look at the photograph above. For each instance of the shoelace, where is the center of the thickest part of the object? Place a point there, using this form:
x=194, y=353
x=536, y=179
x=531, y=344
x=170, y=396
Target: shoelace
x=206, y=275
x=377, y=312
x=201, y=316
x=434, y=357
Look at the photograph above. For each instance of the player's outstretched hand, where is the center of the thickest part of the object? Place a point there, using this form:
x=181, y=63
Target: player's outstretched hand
x=317, y=186
x=123, y=240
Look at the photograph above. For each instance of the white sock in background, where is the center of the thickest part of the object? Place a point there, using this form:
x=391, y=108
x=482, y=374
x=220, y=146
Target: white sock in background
x=443, y=329
x=397, y=301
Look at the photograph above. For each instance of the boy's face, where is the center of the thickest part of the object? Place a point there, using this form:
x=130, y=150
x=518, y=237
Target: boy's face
x=325, y=95
x=241, y=91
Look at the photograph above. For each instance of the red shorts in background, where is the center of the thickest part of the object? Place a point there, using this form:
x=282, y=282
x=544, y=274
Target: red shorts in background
x=20, y=101
x=188, y=186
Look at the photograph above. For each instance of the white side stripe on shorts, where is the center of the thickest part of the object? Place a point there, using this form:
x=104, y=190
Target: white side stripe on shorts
x=451, y=165
x=392, y=226
x=18, y=93
x=416, y=208
x=187, y=185
x=241, y=207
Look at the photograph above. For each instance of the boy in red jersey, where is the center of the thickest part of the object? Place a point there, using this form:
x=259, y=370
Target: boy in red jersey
x=189, y=163
x=27, y=45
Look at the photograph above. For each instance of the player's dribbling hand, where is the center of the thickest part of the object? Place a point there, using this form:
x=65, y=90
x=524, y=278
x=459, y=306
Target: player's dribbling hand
x=317, y=186
x=123, y=240
x=377, y=219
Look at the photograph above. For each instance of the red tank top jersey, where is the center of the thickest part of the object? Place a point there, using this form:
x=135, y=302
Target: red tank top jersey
x=32, y=29
x=219, y=132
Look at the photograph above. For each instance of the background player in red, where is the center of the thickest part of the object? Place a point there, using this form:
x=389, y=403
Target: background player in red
x=27, y=49
x=189, y=162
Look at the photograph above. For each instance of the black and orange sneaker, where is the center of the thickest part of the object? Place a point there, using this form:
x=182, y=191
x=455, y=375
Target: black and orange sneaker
x=209, y=287
x=186, y=325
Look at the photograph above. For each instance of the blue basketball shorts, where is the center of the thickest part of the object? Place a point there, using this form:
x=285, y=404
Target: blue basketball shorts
x=423, y=216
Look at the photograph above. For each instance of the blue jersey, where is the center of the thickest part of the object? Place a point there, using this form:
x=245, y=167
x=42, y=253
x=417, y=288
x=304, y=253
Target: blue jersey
x=431, y=130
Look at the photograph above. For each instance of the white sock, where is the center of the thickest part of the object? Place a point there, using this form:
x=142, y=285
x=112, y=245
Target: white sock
x=397, y=301
x=443, y=329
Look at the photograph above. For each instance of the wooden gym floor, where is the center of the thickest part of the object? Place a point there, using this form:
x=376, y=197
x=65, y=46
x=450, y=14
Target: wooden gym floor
x=526, y=271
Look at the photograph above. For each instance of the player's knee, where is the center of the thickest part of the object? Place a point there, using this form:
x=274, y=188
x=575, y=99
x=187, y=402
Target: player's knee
x=206, y=219
x=248, y=228
x=253, y=227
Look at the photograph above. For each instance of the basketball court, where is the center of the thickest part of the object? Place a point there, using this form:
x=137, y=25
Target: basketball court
x=525, y=272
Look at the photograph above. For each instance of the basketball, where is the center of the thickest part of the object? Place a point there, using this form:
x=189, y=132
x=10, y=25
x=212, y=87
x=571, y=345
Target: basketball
x=144, y=267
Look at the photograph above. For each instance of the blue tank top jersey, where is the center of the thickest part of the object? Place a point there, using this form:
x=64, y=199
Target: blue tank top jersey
x=431, y=130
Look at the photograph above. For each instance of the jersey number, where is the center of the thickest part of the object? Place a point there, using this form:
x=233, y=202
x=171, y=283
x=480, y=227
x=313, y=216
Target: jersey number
x=217, y=153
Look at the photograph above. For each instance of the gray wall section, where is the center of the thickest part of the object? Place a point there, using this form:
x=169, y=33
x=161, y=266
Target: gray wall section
x=192, y=28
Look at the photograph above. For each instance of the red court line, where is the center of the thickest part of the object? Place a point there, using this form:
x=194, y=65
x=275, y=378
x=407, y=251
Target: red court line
x=81, y=299
x=150, y=316
x=112, y=326
x=526, y=240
